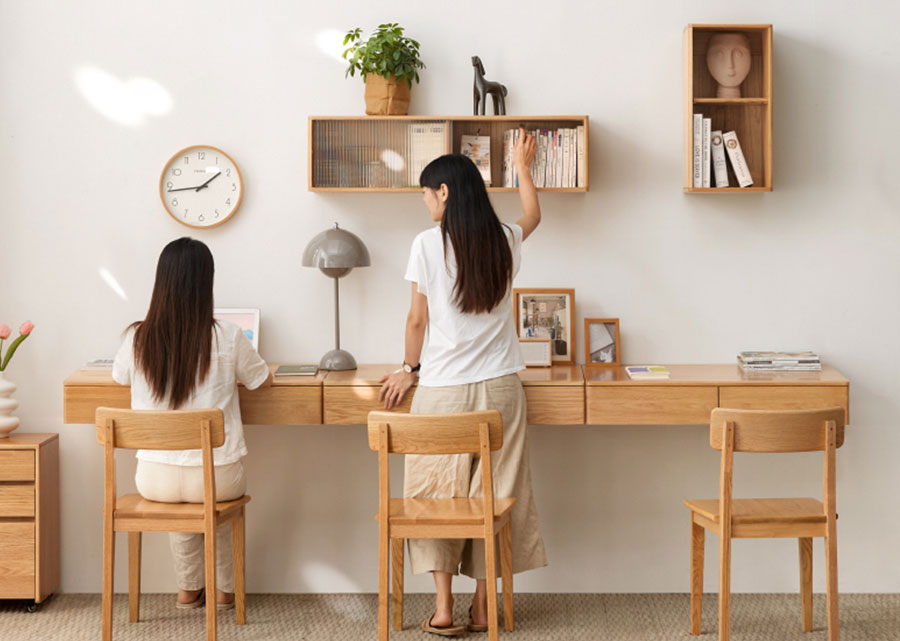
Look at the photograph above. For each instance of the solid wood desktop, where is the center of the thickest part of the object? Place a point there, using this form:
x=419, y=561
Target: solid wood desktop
x=558, y=395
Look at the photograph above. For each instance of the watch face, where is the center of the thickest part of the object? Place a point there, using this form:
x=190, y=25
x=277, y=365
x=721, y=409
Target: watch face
x=201, y=186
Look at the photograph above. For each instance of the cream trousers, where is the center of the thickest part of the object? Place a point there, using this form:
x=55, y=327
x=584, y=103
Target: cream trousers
x=184, y=484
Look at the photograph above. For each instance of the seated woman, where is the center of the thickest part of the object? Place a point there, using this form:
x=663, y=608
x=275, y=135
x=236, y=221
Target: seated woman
x=180, y=357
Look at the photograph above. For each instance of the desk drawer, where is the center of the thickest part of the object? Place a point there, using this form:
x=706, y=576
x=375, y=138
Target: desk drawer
x=80, y=402
x=17, y=465
x=784, y=397
x=351, y=404
x=650, y=405
x=16, y=560
x=16, y=500
x=555, y=405
x=300, y=405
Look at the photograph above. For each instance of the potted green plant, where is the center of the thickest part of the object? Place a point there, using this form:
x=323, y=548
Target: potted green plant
x=388, y=63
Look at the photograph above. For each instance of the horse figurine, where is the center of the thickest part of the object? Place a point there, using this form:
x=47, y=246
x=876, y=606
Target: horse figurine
x=485, y=87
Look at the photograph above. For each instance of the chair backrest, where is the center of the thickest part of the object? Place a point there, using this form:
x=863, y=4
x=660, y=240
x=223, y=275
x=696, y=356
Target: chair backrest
x=436, y=433
x=160, y=429
x=776, y=430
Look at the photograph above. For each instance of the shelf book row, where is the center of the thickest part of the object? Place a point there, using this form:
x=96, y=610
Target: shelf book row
x=558, y=163
x=709, y=154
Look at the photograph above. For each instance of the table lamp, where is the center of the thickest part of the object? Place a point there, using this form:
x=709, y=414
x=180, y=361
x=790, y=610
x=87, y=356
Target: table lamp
x=335, y=252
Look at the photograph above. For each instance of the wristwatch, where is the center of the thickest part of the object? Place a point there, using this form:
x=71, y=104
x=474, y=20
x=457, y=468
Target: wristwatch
x=409, y=369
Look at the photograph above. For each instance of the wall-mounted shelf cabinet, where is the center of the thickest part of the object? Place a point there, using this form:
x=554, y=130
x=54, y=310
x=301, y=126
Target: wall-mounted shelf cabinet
x=387, y=153
x=749, y=116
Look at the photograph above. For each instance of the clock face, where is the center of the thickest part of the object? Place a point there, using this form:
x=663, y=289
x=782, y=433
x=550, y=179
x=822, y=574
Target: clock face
x=201, y=186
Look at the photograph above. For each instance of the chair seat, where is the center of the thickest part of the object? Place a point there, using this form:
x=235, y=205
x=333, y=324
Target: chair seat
x=134, y=506
x=445, y=511
x=751, y=511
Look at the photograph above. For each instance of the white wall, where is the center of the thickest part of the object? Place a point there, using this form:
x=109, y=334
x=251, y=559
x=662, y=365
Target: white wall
x=694, y=279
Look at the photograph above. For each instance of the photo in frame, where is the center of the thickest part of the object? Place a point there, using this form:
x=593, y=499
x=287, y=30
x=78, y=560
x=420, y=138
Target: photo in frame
x=601, y=342
x=548, y=314
x=536, y=352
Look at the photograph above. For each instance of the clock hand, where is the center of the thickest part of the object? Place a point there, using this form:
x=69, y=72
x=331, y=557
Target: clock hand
x=182, y=189
x=203, y=186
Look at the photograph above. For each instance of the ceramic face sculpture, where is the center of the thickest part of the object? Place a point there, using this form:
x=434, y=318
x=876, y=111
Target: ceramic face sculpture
x=728, y=60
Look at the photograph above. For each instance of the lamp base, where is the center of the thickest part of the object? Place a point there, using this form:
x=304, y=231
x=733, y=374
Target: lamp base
x=337, y=360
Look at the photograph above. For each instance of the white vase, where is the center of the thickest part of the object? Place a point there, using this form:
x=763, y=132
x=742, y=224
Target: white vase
x=8, y=422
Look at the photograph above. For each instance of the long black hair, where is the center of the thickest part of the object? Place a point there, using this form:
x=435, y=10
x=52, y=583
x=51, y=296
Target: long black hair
x=173, y=344
x=484, y=262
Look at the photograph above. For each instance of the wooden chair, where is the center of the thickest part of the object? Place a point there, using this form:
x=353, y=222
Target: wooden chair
x=166, y=430
x=769, y=431
x=456, y=518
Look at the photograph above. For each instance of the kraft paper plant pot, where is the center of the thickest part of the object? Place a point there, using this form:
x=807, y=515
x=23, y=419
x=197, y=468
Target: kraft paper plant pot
x=386, y=96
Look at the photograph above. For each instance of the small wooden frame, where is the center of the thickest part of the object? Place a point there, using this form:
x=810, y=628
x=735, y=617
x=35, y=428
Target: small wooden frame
x=608, y=329
x=535, y=319
x=536, y=352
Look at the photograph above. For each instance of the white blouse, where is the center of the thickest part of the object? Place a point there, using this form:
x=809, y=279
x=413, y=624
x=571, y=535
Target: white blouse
x=462, y=348
x=232, y=360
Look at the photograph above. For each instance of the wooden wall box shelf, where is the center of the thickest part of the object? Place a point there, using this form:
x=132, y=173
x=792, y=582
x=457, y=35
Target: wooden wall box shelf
x=346, y=152
x=557, y=395
x=750, y=116
x=29, y=516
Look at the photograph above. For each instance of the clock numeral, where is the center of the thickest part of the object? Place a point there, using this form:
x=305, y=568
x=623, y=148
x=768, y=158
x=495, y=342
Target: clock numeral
x=228, y=172
x=217, y=213
x=185, y=213
x=187, y=160
x=233, y=187
x=217, y=160
x=201, y=155
x=228, y=201
x=201, y=218
x=169, y=185
x=174, y=202
x=176, y=172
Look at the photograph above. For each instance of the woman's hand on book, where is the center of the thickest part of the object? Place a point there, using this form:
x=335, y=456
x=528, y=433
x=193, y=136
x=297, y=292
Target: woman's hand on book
x=524, y=151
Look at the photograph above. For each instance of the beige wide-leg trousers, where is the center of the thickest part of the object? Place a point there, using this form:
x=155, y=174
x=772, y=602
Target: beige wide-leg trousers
x=184, y=484
x=459, y=476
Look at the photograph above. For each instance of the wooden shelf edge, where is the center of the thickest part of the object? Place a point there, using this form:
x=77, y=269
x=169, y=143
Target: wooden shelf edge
x=505, y=118
x=724, y=190
x=731, y=101
x=418, y=190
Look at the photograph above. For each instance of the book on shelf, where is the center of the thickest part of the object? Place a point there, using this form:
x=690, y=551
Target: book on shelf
x=779, y=361
x=736, y=156
x=559, y=160
x=427, y=141
x=647, y=372
x=704, y=153
x=720, y=170
x=698, y=150
x=478, y=149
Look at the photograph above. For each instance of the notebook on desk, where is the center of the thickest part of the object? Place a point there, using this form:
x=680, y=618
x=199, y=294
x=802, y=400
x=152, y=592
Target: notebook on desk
x=245, y=318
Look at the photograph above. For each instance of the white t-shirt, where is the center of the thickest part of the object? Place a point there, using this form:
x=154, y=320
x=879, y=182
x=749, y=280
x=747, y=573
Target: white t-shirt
x=462, y=348
x=232, y=359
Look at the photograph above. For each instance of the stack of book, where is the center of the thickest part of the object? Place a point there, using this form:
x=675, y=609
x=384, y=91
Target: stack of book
x=427, y=141
x=709, y=155
x=559, y=161
x=779, y=361
x=647, y=372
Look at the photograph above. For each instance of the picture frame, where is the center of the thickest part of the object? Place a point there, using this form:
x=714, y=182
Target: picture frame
x=536, y=352
x=247, y=318
x=602, y=347
x=548, y=314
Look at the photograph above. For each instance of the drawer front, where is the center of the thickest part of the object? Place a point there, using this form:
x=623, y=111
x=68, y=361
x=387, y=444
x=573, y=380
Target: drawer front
x=557, y=405
x=785, y=397
x=350, y=405
x=300, y=405
x=16, y=560
x=17, y=465
x=80, y=402
x=16, y=500
x=650, y=405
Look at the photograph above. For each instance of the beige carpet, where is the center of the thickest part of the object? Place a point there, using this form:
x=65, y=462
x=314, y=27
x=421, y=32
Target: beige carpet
x=539, y=617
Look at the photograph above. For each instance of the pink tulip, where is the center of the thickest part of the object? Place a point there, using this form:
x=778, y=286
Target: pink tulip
x=5, y=331
x=25, y=328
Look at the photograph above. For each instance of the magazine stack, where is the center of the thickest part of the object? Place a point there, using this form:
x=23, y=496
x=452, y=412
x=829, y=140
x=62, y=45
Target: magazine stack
x=779, y=361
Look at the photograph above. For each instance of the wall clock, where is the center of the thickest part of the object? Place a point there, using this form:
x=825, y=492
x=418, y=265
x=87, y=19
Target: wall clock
x=201, y=186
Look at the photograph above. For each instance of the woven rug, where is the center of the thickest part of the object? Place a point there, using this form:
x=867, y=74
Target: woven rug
x=539, y=617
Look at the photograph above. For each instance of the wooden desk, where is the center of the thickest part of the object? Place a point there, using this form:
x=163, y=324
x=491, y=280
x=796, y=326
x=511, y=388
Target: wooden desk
x=559, y=395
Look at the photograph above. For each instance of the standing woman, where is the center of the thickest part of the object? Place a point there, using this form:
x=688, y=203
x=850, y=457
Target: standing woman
x=179, y=357
x=462, y=273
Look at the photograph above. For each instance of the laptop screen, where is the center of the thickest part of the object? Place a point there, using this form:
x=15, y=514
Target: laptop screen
x=246, y=319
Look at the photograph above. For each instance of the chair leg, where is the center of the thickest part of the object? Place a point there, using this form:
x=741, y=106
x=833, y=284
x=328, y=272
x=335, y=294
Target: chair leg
x=490, y=563
x=724, y=587
x=506, y=575
x=384, y=550
x=831, y=583
x=109, y=558
x=698, y=540
x=134, y=577
x=397, y=581
x=238, y=556
x=806, y=573
x=210, y=563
